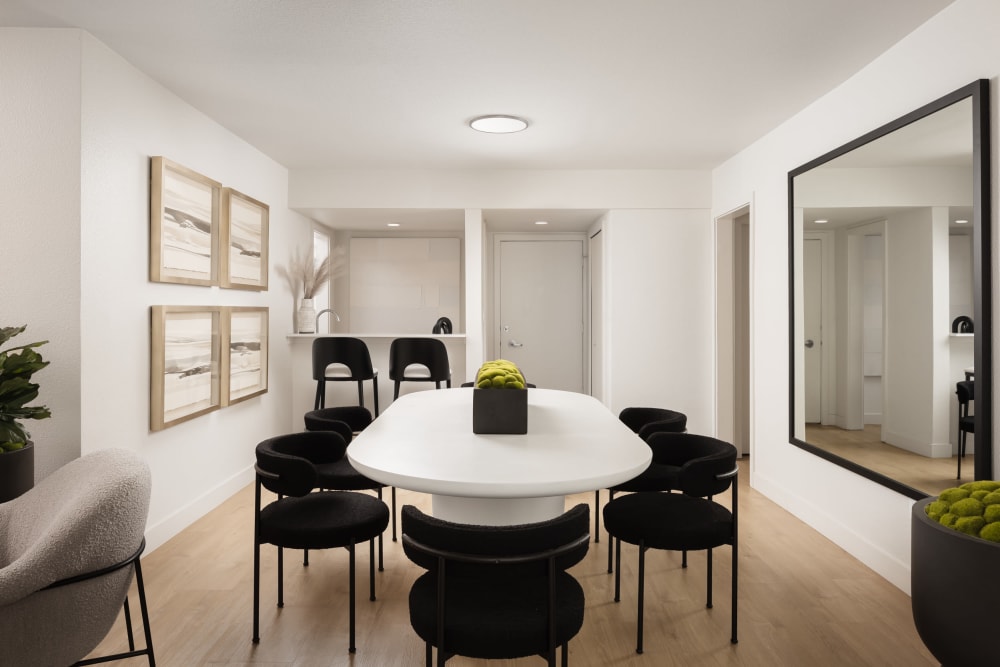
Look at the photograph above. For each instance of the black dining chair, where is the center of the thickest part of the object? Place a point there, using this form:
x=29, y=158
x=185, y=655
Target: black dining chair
x=966, y=392
x=342, y=359
x=340, y=475
x=644, y=422
x=686, y=521
x=418, y=360
x=303, y=519
x=496, y=592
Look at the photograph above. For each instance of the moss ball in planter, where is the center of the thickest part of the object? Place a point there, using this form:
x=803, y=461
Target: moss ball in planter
x=973, y=508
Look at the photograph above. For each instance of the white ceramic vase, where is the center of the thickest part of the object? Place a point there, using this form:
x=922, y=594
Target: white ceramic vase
x=307, y=317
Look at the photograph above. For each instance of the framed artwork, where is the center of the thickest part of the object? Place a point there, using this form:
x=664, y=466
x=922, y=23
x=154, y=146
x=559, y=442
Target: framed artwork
x=184, y=225
x=185, y=346
x=243, y=242
x=245, y=357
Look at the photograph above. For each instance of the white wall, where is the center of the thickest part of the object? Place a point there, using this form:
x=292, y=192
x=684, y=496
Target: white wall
x=79, y=125
x=659, y=313
x=953, y=49
x=39, y=223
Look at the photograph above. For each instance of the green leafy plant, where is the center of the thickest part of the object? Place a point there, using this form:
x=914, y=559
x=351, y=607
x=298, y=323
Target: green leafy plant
x=17, y=365
x=499, y=374
x=973, y=508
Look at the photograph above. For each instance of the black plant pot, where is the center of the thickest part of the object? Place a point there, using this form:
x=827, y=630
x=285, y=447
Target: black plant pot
x=17, y=472
x=500, y=411
x=954, y=588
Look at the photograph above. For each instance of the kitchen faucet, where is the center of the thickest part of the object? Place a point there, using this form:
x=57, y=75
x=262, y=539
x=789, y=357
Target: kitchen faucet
x=320, y=313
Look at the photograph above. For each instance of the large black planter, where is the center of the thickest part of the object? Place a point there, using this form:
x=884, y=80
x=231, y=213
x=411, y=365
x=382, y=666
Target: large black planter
x=955, y=585
x=17, y=472
x=500, y=411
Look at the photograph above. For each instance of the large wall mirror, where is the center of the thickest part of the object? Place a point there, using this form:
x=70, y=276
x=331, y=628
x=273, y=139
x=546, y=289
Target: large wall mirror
x=889, y=288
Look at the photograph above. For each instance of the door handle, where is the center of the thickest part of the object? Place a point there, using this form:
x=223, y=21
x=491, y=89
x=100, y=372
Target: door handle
x=809, y=343
x=514, y=343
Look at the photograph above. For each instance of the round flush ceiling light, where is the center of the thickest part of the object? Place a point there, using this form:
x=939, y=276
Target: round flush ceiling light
x=498, y=124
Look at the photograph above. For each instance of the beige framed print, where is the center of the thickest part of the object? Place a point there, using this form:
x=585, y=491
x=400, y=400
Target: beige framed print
x=184, y=364
x=245, y=357
x=184, y=225
x=243, y=241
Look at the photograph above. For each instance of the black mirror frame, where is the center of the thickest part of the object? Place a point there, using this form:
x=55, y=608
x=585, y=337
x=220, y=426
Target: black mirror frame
x=979, y=92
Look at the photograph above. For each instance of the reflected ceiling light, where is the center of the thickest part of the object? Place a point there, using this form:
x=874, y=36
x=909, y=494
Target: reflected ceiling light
x=497, y=124
x=821, y=222
x=541, y=222
x=961, y=222
x=392, y=224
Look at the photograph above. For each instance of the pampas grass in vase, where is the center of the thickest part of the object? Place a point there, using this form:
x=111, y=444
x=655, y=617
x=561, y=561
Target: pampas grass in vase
x=305, y=276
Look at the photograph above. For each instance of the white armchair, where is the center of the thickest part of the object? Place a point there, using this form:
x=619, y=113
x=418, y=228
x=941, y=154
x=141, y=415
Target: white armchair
x=68, y=548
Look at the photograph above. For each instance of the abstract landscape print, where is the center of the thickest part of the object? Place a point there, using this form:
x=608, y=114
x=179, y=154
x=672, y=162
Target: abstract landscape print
x=185, y=345
x=246, y=336
x=244, y=241
x=184, y=223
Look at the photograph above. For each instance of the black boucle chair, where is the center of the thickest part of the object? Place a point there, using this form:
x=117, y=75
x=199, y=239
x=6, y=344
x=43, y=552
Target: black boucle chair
x=340, y=475
x=687, y=521
x=644, y=422
x=300, y=519
x=966, y=392
x=496, y=592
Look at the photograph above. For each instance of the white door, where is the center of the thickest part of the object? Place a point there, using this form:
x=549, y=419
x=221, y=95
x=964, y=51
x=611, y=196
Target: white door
x=596, y=317
x=812, y=312
x=540, y=318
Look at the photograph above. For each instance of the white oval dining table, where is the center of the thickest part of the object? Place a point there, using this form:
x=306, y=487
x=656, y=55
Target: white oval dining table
x=424, y=442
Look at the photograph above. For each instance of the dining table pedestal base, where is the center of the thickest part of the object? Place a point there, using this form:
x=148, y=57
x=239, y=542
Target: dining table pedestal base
x=496, y=511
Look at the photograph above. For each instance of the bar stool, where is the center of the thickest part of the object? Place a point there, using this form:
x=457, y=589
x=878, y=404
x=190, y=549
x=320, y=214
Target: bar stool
x=418, y=360
x=341, y=359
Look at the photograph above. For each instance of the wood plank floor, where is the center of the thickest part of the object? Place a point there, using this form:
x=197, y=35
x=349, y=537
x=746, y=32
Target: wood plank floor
x=802, y=602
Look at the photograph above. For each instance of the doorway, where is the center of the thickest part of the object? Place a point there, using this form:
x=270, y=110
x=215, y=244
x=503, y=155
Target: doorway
x=539, y=308
x=734, y=334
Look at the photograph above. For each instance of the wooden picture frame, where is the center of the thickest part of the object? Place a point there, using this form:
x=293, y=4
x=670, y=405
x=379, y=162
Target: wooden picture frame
x=184, y=225
x=185, y=346
x=243, y=241
x=245, y=355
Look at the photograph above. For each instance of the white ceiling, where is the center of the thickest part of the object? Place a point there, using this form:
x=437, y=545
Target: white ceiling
x=391, y=84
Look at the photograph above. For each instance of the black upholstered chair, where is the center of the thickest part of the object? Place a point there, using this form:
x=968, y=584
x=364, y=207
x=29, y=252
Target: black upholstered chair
x=340, y=475
x=341, y=359
x=644, y=422
x=303, y=519
x=686, y=521
x=966, y=392
x=418, y=360
x=496, y=591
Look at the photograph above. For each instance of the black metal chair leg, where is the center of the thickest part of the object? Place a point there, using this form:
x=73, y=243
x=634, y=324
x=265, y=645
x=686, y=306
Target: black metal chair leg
x=281, y=577
x=565, y=655
x=709, y=567
x=618, y=569
x=128, y=626
x=351, y=648
x=429, y=654
x=597, y=516
x=371, y=569
x=375, y=393
x=611, y=496
x=305, y=558
x=393, y=514
x=642, y=585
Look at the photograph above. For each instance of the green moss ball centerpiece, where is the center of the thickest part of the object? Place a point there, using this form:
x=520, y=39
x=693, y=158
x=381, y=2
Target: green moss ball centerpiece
x=500, y=401
x=973, y=508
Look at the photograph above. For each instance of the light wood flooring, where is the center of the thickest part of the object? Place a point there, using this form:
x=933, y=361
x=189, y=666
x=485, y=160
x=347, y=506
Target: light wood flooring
x=803, y=602
x=866, y=448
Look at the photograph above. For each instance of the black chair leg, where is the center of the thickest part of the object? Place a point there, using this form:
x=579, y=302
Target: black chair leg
x=144, y=612
x=281, y=577
x=429, y=654
x=611, y=496
x=708, y=602
x=351, y=648
x=128, y=627
x=381, y=565
x=375, y=393
x=371, y=569
x=565, y=655
x=618, y=568
x=597, y=516
x=393, y=514
x=320, y=401
x=305, y=558
x=642, y=585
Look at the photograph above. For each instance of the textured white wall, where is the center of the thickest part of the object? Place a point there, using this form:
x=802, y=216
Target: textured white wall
x=40, y=222
x=953, y=49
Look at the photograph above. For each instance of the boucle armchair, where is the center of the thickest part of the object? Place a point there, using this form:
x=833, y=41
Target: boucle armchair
x=67, y=551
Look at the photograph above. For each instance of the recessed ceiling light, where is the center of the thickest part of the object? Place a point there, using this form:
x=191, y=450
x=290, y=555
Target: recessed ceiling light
x=392, y=224
x=541, y=222
x=821, y=222
x=497, y=124
x=961, y=222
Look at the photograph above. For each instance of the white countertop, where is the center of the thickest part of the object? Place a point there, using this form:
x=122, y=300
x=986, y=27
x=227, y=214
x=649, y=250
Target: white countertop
x=310, y=336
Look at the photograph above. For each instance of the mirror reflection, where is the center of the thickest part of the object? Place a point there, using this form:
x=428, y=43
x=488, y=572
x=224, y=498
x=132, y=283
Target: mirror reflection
x=886, y=296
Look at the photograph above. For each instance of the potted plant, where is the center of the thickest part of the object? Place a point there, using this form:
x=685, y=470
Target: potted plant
x=500, y=401
x=955, y=572
x=17, y=455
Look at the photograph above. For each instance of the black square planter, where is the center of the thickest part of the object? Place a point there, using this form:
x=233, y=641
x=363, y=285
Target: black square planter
x=500, y=411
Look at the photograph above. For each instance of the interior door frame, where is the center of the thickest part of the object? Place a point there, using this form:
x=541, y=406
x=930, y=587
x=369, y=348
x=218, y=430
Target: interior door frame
x=492, y=326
